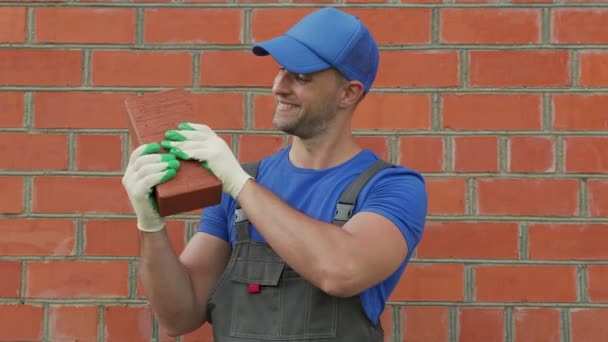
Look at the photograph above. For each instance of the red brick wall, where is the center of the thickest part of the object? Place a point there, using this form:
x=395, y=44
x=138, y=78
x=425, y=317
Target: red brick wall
x=501, y=104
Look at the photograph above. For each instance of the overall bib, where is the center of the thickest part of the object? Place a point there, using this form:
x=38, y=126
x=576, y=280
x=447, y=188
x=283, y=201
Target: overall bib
x=260, y=298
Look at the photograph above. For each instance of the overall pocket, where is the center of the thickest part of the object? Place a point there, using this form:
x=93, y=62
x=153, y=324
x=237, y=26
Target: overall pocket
x=306, y=311
x=287, y=307
x=256, y=315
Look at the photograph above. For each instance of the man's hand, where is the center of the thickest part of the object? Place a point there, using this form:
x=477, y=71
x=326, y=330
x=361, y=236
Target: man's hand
x=199, y=142
x=147, y=168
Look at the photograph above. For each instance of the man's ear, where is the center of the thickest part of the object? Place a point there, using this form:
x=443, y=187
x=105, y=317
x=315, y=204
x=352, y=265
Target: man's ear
x=353, y=92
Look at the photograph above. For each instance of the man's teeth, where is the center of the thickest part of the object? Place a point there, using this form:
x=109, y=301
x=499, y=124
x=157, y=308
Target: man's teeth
x=286, y=106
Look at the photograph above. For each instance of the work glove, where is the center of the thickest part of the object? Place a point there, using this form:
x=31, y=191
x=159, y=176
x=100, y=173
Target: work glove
x=146, y=169
x=199, y=142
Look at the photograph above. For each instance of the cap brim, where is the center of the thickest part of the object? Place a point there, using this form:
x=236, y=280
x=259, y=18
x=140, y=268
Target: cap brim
x=291, y=54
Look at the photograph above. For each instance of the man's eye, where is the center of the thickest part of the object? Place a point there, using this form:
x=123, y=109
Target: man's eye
x=302, y=78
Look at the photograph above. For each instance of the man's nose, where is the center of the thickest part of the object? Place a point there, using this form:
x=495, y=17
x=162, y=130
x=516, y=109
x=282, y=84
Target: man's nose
x=281, y=83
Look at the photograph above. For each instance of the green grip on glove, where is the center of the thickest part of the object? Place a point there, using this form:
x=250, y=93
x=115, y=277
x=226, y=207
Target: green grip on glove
x=175, y=136
x=170, y=172
x=151, y=148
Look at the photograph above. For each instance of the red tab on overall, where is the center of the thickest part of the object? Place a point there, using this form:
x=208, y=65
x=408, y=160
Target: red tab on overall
x=254, y=288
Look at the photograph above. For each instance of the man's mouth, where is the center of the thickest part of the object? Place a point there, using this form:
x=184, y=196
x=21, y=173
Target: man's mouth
x=286, y=106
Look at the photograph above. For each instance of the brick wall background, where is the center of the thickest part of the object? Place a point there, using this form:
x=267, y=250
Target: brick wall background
x=502, y=104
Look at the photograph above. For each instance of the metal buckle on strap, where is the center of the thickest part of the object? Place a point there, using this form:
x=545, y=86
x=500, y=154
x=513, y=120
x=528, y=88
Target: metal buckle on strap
x=343, y=211
x=240, y=216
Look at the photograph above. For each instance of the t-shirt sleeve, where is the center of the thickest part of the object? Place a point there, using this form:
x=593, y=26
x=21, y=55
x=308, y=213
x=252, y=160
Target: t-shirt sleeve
x=400, y=195
x=214, y=220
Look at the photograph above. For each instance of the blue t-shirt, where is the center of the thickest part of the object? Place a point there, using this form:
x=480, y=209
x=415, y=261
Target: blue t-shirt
x=396, y=193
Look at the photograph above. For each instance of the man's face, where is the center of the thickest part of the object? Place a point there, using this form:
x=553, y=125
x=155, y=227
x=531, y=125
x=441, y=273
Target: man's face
x=306, y=104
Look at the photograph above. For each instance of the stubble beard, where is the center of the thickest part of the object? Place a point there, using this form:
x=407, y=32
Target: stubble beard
x=308, y=124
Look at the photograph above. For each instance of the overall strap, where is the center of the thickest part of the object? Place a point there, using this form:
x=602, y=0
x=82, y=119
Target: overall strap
x=240, y=218
x=346, y=203
x=252, y=168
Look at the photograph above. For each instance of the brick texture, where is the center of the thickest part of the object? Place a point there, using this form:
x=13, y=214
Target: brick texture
x=536, y=324
x=490, y=26
x=500, y=104
x=519, y=68
x=12, y=109
x=11, y=284
x=221, y=26
x=14, y=21
x=41, y=67
x=73, y=322
x=56, y=25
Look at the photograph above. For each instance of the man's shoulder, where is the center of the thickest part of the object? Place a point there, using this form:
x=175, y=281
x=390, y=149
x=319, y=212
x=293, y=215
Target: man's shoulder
x=397, y=190
x=398, y=175
x=393, y=172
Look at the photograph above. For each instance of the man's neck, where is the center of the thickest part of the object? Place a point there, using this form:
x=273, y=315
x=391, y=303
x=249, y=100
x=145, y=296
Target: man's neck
x=324, y=151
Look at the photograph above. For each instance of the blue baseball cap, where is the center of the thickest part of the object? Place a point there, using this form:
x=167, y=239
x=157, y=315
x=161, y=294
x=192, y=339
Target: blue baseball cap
x=323, y=39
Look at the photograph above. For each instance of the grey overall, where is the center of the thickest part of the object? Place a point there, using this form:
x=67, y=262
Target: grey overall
x=260, y=298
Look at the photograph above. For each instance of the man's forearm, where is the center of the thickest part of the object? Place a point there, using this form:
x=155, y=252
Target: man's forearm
x=321, y=252
x=167, y=285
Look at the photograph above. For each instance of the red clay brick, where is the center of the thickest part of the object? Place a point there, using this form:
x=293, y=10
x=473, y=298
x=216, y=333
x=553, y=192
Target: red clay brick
x=598, y=283
x=476, y=240
x=193, y=25
x=446, y=195
x=430, y=282
x=219, y=111
x=84, y=25
x=12, y=201
x=481, y=324
x=378, y=145
x=421, y=323
x=538, y=283
x=11, y=104
x=121, y=320
x=98, y=152
x=34, y=151
x=393, y=112
x=100, y=237
x=541, y=68
x=491, y=111
x=422, y=153
x=80, y=110
x=14, y=20
x=21, y=322
x=538, y=197
x=236, y=68
x=141, y=68
x=586, y=154
x=418, y=69
x=580, y=112
x=589, y=324
x=490, y=26
x=568, y=241
x=598, y=197
x=536, y=324
x=531, y=154
x=10, y=286
x=579, y=26
x=82, y=279
x=476, y=154
x=73, y=323
x=37, y=237
x=61, y=194
x=41, y=67
x=593, y=68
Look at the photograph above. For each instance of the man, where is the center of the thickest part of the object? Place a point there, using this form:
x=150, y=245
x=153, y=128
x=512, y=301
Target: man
x=285, y=256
